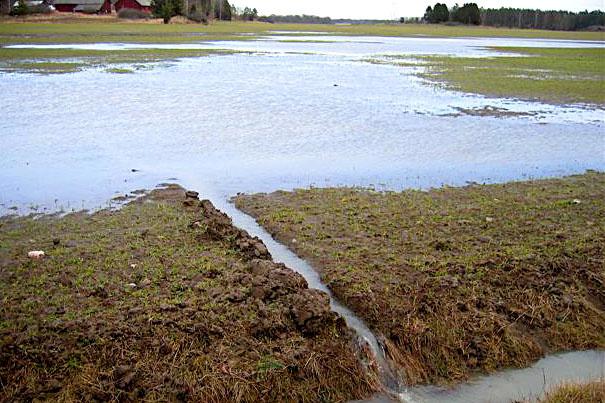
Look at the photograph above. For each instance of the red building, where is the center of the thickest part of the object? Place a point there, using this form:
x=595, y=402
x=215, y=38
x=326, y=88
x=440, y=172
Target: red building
x=143, y=5
x=83, y=6
x=100, y=6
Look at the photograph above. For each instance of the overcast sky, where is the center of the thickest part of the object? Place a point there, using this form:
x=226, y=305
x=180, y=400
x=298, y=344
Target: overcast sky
x=393, y=9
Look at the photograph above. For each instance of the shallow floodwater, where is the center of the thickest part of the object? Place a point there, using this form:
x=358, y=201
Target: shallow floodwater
x=276, y=120
x=292, y=114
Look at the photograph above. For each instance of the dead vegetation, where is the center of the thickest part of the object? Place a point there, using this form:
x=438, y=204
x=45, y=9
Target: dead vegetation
x=577, y=393
x=163, y=302
x=457, y=280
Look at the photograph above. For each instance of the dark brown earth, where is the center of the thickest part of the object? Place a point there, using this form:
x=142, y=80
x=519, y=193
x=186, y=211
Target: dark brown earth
x=457, y=281
x=163, y=300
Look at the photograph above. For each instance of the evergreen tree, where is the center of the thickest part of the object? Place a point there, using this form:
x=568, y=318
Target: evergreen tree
x=467, y=14
x=222, y=10
x=428, y=15
x=437, y=14
x=441, y=13
x=166, y=9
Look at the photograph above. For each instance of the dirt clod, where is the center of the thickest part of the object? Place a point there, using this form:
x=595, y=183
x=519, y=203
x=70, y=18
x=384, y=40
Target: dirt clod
x=456, y=280
x=185, y=312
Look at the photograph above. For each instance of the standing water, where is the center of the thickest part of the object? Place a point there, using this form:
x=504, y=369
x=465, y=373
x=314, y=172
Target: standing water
x=294, y=114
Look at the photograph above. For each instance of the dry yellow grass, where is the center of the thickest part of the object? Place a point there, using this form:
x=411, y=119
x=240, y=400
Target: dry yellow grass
x=593, y=392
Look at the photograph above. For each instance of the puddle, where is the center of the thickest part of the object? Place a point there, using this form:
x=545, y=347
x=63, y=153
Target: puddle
x=519, y=384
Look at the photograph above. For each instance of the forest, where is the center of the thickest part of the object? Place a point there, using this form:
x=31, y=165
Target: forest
x=538, y=19
x=470, y=13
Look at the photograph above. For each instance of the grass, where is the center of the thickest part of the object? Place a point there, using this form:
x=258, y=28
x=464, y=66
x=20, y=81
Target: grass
x=577, y=393
x=48, y=61
x=140, y=304
x=550, y=75
x=117, y=70
x=113, y=30
x=457, y=280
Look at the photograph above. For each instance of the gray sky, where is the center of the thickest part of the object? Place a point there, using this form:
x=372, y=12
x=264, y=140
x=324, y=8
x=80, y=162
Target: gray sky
x=391, y=9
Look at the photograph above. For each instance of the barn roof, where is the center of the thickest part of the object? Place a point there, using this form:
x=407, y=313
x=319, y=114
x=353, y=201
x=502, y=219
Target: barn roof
x=88, y=7
x=81, y=2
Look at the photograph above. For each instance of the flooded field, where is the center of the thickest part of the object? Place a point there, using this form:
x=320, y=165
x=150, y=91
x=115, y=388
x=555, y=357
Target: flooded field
x=288, y=112
x=291, y=115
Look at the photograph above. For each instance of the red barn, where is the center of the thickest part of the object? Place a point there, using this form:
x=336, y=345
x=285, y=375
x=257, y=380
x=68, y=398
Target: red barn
x=143, y=5
x=83, y=6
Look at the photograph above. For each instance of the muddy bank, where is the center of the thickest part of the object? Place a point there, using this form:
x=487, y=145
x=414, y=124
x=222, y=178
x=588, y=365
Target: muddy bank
x=458, y=281
x=163, y=300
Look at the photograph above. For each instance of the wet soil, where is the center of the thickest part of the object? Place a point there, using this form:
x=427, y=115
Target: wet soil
x=163, y=300
x=457, y=281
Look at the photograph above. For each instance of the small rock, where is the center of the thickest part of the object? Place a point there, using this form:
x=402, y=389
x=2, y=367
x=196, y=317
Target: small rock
x=36, y=254
x=294, y=240
x=132, y=285
x=489, y=219
x=576, y=201
x=133, y=266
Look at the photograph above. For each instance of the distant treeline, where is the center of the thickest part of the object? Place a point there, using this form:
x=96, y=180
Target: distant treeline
x=557, y=20
x=467, y=14
x=470, y=13
x=297, y=19
x=314, y=19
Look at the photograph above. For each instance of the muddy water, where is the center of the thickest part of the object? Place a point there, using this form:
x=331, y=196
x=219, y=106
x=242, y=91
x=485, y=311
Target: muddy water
x=294, y=115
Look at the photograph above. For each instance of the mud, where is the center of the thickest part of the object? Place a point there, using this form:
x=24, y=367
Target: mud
x=163, y=300
x=458, y=281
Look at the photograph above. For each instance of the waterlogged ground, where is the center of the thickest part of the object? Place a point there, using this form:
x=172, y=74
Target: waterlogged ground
x=294, y=114
x=291, y=111
x=457, y=280
x=141, y=304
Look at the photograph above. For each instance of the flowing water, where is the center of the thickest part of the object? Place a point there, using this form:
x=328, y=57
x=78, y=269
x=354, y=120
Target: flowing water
x=289, y=114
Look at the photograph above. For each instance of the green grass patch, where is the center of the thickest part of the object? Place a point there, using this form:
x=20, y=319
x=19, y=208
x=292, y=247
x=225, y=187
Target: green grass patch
x=101, y=30
x=117, y=70
x=550, y=75
x=457, y=280
x=70, y=60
